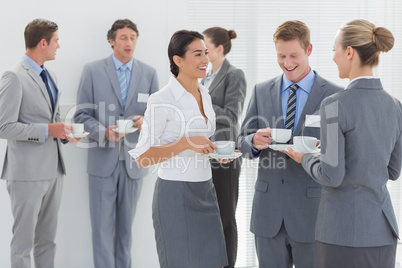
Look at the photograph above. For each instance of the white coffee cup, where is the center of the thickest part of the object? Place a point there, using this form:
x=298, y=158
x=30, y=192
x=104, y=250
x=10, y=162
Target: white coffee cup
x=124, y=125
x=281, y=135
x=304, y=144
x=77, y=129
x=225, y=147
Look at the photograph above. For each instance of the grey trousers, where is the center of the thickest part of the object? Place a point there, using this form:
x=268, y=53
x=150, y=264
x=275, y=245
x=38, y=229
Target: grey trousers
x=282, y=251
x=35, y=206
x=334, y=256
x=113, y=201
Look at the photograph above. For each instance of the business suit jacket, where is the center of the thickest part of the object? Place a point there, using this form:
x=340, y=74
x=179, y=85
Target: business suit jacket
x=99, y=105
x=283, y=190
x=228, y=91
x=361, y=146
x=25, y=112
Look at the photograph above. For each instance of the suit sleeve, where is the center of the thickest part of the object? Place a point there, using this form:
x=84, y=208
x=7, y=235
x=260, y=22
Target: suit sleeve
x=249, y=127
x=85, y=112
x=11, y=95
x=235, y=93
x=395, y=161
x=154, y=84
x=328, y=168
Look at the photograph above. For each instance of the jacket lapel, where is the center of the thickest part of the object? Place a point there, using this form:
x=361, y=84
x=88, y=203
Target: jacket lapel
x=276, y=103
x=313, y=102
x=221, y=74
x=38, y=81
x=110, y=70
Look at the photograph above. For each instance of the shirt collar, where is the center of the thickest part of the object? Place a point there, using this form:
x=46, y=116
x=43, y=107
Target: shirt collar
x=118, y=63
x=179, y=90
x=209, y=76
x=37, y=69
x=305, y=84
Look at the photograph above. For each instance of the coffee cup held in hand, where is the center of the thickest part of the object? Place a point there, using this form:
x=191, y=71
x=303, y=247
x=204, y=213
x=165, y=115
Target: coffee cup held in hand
x=281, y=135
x=225, y=147
x=77, y=129
x=304, y=144
x=124, y=125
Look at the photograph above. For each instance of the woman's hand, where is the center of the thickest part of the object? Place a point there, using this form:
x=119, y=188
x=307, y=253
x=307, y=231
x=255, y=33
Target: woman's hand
x=200, y=144
x=296, y=156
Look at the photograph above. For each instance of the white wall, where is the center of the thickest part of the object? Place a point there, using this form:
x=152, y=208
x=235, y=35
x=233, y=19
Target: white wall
x=82, y=30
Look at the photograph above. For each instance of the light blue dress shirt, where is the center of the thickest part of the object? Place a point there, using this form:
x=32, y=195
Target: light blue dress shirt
x=118, y=64
x=301, y=94
x=38, y=69
x=210, y=78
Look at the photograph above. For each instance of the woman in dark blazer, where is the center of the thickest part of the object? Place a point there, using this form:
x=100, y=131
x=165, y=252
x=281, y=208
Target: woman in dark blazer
x=361, y=149
x=227, y=87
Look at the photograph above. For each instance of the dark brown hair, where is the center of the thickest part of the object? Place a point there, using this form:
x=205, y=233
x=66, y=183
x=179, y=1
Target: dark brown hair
x=37, y=30
x=178, y=46
x=220, y=36
x=120, y=24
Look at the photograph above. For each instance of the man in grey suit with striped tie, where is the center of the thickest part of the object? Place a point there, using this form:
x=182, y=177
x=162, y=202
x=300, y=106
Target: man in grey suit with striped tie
x=286, y=199
x=114, y=88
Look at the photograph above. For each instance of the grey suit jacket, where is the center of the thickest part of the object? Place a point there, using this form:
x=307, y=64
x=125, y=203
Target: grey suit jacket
x=25, y=112
x=228, y=91
x=283, y=190
x=361, y=146
x=99, y=105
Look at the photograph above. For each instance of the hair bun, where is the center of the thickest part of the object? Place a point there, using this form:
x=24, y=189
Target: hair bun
x=232, y=34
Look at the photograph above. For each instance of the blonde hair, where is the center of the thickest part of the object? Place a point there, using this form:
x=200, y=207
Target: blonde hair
x=367, y=39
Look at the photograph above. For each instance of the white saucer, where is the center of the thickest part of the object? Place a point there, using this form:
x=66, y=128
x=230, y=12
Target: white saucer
x=71, y=135
x=128, y=130
x=222, y=156
x=283, y=147
x=280, y=147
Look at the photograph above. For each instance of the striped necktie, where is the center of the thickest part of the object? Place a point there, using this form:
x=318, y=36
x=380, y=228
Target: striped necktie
x=123, y=84
x=291, y=111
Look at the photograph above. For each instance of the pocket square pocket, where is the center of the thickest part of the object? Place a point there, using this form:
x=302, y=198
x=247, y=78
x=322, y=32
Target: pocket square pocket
x=312, y=120
x=142, y=97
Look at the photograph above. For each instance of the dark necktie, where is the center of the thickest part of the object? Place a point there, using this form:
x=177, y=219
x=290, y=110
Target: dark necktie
x=49, y=91
x=291, y=111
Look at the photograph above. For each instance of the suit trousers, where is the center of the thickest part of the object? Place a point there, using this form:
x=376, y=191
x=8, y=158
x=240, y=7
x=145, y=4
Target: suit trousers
x=113, y=201
x=282, y=251
x=335, y=256
x=226, y=182
x=35, y=206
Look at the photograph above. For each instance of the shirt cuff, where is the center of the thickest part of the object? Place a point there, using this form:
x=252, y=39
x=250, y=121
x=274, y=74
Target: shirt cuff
x=47, y=132
x=256, y=152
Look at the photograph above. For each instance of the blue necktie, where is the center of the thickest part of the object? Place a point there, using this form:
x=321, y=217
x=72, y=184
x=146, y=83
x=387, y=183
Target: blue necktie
x=49, y=91
x=291, y=110
x=123, y=84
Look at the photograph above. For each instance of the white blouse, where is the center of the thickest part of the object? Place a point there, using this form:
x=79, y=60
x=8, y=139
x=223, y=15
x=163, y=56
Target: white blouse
x=173, y=113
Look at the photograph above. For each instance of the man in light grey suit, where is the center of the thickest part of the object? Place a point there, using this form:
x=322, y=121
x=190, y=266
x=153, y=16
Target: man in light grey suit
x=33, y=165
x=111, y=89
x=286, y=198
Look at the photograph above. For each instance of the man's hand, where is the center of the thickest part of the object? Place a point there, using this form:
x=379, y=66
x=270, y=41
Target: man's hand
x=262, y=138
x=110, y=135
x=138, y=120
x=59, y=130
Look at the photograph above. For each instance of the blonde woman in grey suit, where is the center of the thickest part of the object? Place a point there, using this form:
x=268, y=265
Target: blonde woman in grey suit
x=361, y=149
x=227, y=87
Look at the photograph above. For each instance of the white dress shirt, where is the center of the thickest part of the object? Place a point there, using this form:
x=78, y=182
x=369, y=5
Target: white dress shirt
x=172, y=113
